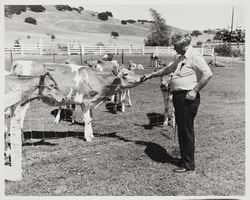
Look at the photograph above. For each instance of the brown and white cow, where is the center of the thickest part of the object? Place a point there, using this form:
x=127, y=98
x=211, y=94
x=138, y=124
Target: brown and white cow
x=89, y=88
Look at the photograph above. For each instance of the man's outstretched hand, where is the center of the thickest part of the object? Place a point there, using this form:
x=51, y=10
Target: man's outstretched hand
x=145, y=77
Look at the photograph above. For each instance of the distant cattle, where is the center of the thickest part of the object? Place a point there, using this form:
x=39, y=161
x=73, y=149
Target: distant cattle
x=155, y=60
x=88, y=88
x=134, y=66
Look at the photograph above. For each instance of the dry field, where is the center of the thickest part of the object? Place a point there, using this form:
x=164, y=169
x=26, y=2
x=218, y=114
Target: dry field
x=131, y=153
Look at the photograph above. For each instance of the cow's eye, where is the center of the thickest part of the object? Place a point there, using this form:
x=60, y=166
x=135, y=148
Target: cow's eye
x=51, y=85
x=125, y=74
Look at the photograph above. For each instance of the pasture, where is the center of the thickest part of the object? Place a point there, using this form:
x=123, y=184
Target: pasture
x=131, y=152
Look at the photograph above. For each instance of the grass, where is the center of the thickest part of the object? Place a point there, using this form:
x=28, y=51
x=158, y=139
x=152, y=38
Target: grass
x=130, y=156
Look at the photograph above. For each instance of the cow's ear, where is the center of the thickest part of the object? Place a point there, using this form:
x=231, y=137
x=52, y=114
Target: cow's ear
x=114, y=71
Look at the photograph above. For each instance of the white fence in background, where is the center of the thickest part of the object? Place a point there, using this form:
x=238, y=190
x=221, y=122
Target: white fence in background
x=47, y=48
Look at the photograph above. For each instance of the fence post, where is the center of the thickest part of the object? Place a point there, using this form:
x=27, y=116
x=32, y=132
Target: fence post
x=14, y=172
x=41, y=47
x=156, y=49
x=130, y=49
x=80, y=53
x=11, y=56
x=68, y=49
x=83, y=51
x=115, y=50
x=122, y=57
x=143, y=50
x=21, y=48
x=202, y=49
x=54, y=56
x=100, y=51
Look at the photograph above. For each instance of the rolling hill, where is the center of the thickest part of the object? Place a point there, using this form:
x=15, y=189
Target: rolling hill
x=74, y=26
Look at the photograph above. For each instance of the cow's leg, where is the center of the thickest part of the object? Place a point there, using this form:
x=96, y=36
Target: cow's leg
x=129, y=100
x=122, y=99
x=171, y=113
x=73, y=108
x=91, y=117
x=116, y=99
x=166, y=101
x=113, y=98
x=88, y=131
x=58, y=115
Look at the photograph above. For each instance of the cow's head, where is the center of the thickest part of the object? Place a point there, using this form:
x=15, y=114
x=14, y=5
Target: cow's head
x=48, y=90
x=128, y=78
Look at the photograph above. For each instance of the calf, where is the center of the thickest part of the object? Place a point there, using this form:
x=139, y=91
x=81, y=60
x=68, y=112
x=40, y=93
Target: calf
x=120, y=97
x=154, y=60
x=167, y=98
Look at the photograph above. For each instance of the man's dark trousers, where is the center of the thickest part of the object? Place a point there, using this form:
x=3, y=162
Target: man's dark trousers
x=185, y=112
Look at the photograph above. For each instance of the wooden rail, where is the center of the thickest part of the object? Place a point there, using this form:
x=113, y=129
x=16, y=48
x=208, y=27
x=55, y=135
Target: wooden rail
x=77, y=49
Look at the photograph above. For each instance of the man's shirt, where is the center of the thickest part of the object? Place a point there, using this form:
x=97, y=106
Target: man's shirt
x=190, y=68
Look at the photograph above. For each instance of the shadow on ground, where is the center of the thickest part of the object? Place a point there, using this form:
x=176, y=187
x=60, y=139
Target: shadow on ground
x=154, y=151
x=155, y=119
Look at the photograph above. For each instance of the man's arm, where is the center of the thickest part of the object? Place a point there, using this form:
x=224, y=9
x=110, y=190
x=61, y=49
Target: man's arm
x=206, y=75
x=162, y=72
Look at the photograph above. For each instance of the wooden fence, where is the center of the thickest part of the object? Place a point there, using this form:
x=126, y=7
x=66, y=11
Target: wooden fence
x=50, y=48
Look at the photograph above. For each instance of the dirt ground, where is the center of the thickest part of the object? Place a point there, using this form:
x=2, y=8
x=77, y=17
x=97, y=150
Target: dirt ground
x=131, y=152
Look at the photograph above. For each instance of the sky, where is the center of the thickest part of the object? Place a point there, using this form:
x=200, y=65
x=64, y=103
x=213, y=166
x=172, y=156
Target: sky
x=188, y=16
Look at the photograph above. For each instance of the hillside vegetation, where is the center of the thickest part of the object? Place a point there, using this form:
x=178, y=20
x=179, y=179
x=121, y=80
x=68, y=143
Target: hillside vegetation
x=84, y=26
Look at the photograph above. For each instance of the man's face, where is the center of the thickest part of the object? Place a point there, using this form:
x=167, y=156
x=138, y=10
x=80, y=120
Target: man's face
x=180, y=48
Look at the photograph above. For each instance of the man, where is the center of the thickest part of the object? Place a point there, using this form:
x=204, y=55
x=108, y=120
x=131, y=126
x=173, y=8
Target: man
x=190, y=74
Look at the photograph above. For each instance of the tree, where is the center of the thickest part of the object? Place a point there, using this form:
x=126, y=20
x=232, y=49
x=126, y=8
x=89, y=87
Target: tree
x=109, y=13
x=131, y=21
x=124, y=22
x=102, y=16
x=36, y=8
x=30, y=20
x=196, y=33
x=14, y=9
x=81, y=8
x=160, y=33
x=114, y=34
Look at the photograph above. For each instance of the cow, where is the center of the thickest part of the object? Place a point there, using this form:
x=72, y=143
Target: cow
x=155, y=60
x=133, y=66
x=120, y=97
x=167, y=99
x=88, y=88
x=41, y=87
